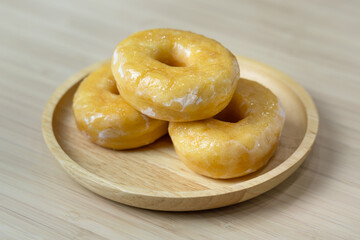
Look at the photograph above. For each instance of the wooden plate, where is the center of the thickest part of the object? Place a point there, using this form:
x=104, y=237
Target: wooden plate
x=153, y=177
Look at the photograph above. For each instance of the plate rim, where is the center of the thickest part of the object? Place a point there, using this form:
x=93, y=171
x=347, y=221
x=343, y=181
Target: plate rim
x=296, y=157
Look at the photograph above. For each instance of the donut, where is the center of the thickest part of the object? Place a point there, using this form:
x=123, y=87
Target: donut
x=175, y=75
x=238, y=141
x=106, y=119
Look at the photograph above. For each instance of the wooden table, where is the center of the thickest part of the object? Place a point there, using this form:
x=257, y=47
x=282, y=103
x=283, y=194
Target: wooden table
x=315, y=42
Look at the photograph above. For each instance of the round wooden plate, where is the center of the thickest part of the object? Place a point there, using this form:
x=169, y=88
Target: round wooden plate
x=153, y=177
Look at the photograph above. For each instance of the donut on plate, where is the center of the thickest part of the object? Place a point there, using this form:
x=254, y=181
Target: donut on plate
x=106, y=119
x=175, y=75
x=238, y=146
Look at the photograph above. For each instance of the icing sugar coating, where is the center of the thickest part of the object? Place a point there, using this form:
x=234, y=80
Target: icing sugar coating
x=106, y=119
x=220, y=149
x=179, y=75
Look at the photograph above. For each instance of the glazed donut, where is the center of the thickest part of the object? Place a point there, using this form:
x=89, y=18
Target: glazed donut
x=220, y=149
x=106, y=119
x=175, y=75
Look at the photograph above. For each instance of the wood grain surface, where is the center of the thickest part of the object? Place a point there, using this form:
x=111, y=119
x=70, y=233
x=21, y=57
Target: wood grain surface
x=43, y=42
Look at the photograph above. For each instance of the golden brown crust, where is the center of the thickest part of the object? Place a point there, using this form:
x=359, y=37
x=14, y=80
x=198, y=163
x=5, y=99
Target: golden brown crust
x=220, y=149
x=175, y=75
x=102, y=115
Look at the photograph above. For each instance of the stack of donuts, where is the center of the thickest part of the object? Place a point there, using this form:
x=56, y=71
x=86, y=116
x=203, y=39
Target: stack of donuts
x=163, y=81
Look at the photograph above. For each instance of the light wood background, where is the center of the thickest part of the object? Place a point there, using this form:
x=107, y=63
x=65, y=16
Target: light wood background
x=44, y=42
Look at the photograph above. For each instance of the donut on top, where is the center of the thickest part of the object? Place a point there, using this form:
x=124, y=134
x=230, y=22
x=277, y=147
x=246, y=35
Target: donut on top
x=175, y=75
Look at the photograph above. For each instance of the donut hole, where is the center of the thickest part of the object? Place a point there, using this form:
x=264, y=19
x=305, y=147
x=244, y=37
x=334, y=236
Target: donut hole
x=112, y=87
x=228, y=116
x=233, y=113
x=172, y=58
x=114, y=91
